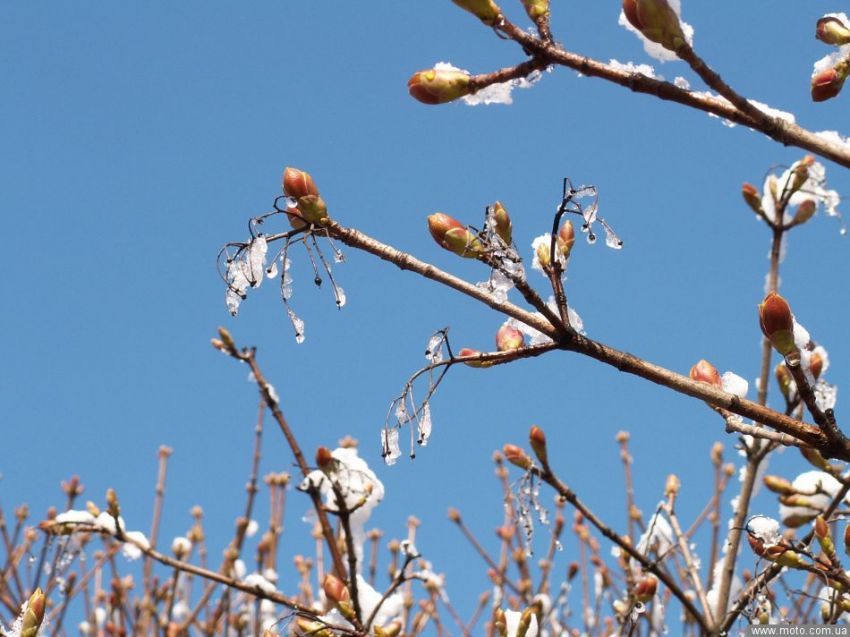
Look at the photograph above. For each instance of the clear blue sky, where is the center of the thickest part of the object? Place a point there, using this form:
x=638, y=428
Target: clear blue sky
x=137, y=140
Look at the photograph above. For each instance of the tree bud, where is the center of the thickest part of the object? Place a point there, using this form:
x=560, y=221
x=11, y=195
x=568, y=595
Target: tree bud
x=485, y=10
x=805, y=211
x=777, y=323
x=645, y=589
x=816, y=364
x=509, y=338
x=832, y=30
x=438, y=86
x=537, y=440
x=504, y=227
x=454, y=237
x=705, y=372
x=779, y=485
x=566, y=238
x=827, y=84
x=466, y=351
x=656, y=20
x=673, y=484
x=298, y=183
x=34, y=614
x=324, y=459
x=536, y=9
x=335, y=589
x=516, y=456
x=752, y=197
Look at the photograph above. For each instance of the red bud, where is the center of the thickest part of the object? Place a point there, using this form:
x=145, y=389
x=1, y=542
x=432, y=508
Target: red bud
x=705, y=372
x=438, y=86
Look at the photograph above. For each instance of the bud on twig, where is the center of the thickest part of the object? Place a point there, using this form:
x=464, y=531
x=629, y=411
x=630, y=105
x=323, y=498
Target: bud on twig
x=438, y=86
x=500, y=622
x=752, y=197
x=828, y=83
x=566, y=238
x=536, y=9
x=454, y=237
x=779, y=485
x=705, y=372
x=504, y=227
x=831, y=30
x=805, y=211
x=645, y=589
x=537, y=440
x=672, y=486
x=509, y=338
x=324, y=459
x=517, y=456
x=777, y=323
x=466, y=351
x=34, y=614
x=656, y=20
x=300, y=185
x=485, y=10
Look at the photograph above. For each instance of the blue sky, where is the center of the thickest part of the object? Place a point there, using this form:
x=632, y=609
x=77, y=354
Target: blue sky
x=138, y=140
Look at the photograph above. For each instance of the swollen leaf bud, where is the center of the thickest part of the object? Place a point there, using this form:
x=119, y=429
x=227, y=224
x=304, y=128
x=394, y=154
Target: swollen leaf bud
x=537, y=440
x=516, y=456
x=335, y=589
x=673, y=484
x=779, y=485
x=536, y=9
x=752, y=197
x=227, y=339
x=827, y=84
x=454, y=237
x=509, y=338
x=566, y=238
x=504, y=227
x=777, y=323
x=645, y=589
x=656, y=20
x=816, y=364
x=485, y=10
x=805, y=211
x=438, y=86
x=34, y=614
x=298, y=183
x=312, y=208
x=500, y=622
x=324, y=459
x=705, y=372
x=832, y=30
x=466, y=351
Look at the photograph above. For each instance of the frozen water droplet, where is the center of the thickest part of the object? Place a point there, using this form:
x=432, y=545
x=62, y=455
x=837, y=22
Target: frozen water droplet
x=558, y=545
x=434, y=349
x=297, y=325
x=340, y=296
x=591, y=238
x=291, y=202
x=612, y=240
x=401, y=412
x=389, y=446
x=843, y=231
x=423, y=427
x=318, y=281
x=271, y=271
x=339, y=257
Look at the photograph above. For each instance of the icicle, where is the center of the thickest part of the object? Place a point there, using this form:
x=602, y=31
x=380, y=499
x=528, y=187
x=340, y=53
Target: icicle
x=434, y=349
x=297, y=325
x=339, y=293
x=390, y=449
x=423, y=427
